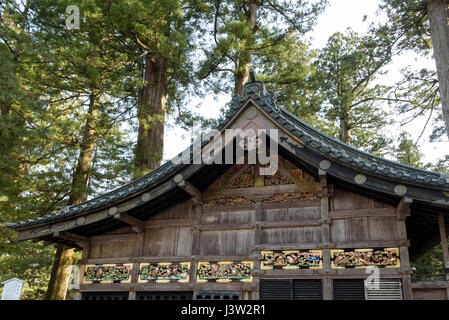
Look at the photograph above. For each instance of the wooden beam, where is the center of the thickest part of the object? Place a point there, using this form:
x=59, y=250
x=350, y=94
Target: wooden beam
x=137, y=225
x=190, y=189
x=371, y=212
x=71, y=236
x=82, y=241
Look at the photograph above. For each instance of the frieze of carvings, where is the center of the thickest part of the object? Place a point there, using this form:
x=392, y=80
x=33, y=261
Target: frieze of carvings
x=291, y=259
x=292, y=196
x=362, y=258
x=164, y=272
x=227, y=201
x=277, y=179
x=224, y=271
x=244, y=180
x=108, y=273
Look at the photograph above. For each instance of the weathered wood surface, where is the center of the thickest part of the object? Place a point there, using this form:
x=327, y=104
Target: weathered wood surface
x=192, y=232
x=429, y=294
x=359, y=222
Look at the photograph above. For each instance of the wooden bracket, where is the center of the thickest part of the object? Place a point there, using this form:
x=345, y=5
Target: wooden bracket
x=80, y=240
x=403, y=209
x=190, y=189
x=137, y=225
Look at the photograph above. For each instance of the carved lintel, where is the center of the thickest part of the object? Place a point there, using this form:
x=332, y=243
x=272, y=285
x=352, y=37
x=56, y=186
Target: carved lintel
x=137, y=225
x=80, y=240
x=403, y=209
x=190, y=189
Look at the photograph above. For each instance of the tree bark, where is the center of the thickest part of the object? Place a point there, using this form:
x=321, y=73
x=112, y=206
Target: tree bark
x=438, y=12
x=57, y=286
x=151, y=115
x=345, y=129
x=242, y=73
x=60, y=273
x=81, y=175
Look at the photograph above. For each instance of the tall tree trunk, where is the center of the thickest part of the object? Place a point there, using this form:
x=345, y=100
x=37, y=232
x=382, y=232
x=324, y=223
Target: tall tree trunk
x=151, y=115
x=345, y=128
x=57, y=286
x=60, y=273
x=242, y=73
x=81, y=175
x=241, y=77
x=438, y=11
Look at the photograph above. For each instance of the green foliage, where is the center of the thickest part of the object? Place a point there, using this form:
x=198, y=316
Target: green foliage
x=30, y=262
x=408, y=24
x=49, y=74
x=418, y=92
x=430, y=262
x=407, y=152
x=289, y=71
x=47, y=77
x=230, y=40
x=346, y=68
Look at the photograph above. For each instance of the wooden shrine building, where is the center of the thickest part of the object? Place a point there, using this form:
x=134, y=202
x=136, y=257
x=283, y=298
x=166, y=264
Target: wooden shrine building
x=222, y=231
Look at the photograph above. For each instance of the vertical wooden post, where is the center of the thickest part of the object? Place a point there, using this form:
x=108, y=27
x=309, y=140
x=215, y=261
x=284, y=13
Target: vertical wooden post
x=402, y=212
x=258, y=218
x=325, y=235
x=192, y=280
x=328, y=290
x=443, y=237
x=324, y=208
x=197, y=219
x=135, y=273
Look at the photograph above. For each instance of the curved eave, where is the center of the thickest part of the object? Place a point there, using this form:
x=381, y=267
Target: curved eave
x=153, y=184
x=381, y=175
x=363, y=161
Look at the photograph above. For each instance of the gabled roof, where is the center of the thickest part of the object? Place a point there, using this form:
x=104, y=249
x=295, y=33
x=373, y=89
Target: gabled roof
x=327, y=151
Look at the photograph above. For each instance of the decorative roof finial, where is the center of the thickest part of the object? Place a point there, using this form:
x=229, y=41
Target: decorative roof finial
x=252, y=76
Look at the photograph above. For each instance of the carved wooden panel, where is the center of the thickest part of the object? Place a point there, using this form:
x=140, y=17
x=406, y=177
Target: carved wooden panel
x=224, y=271
x=292, y=196
x=292, y=259
x=108, y=273
x=242, y=184
x=164, y=272
x=359, y=258
x=244, y=180
x=226, y=201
